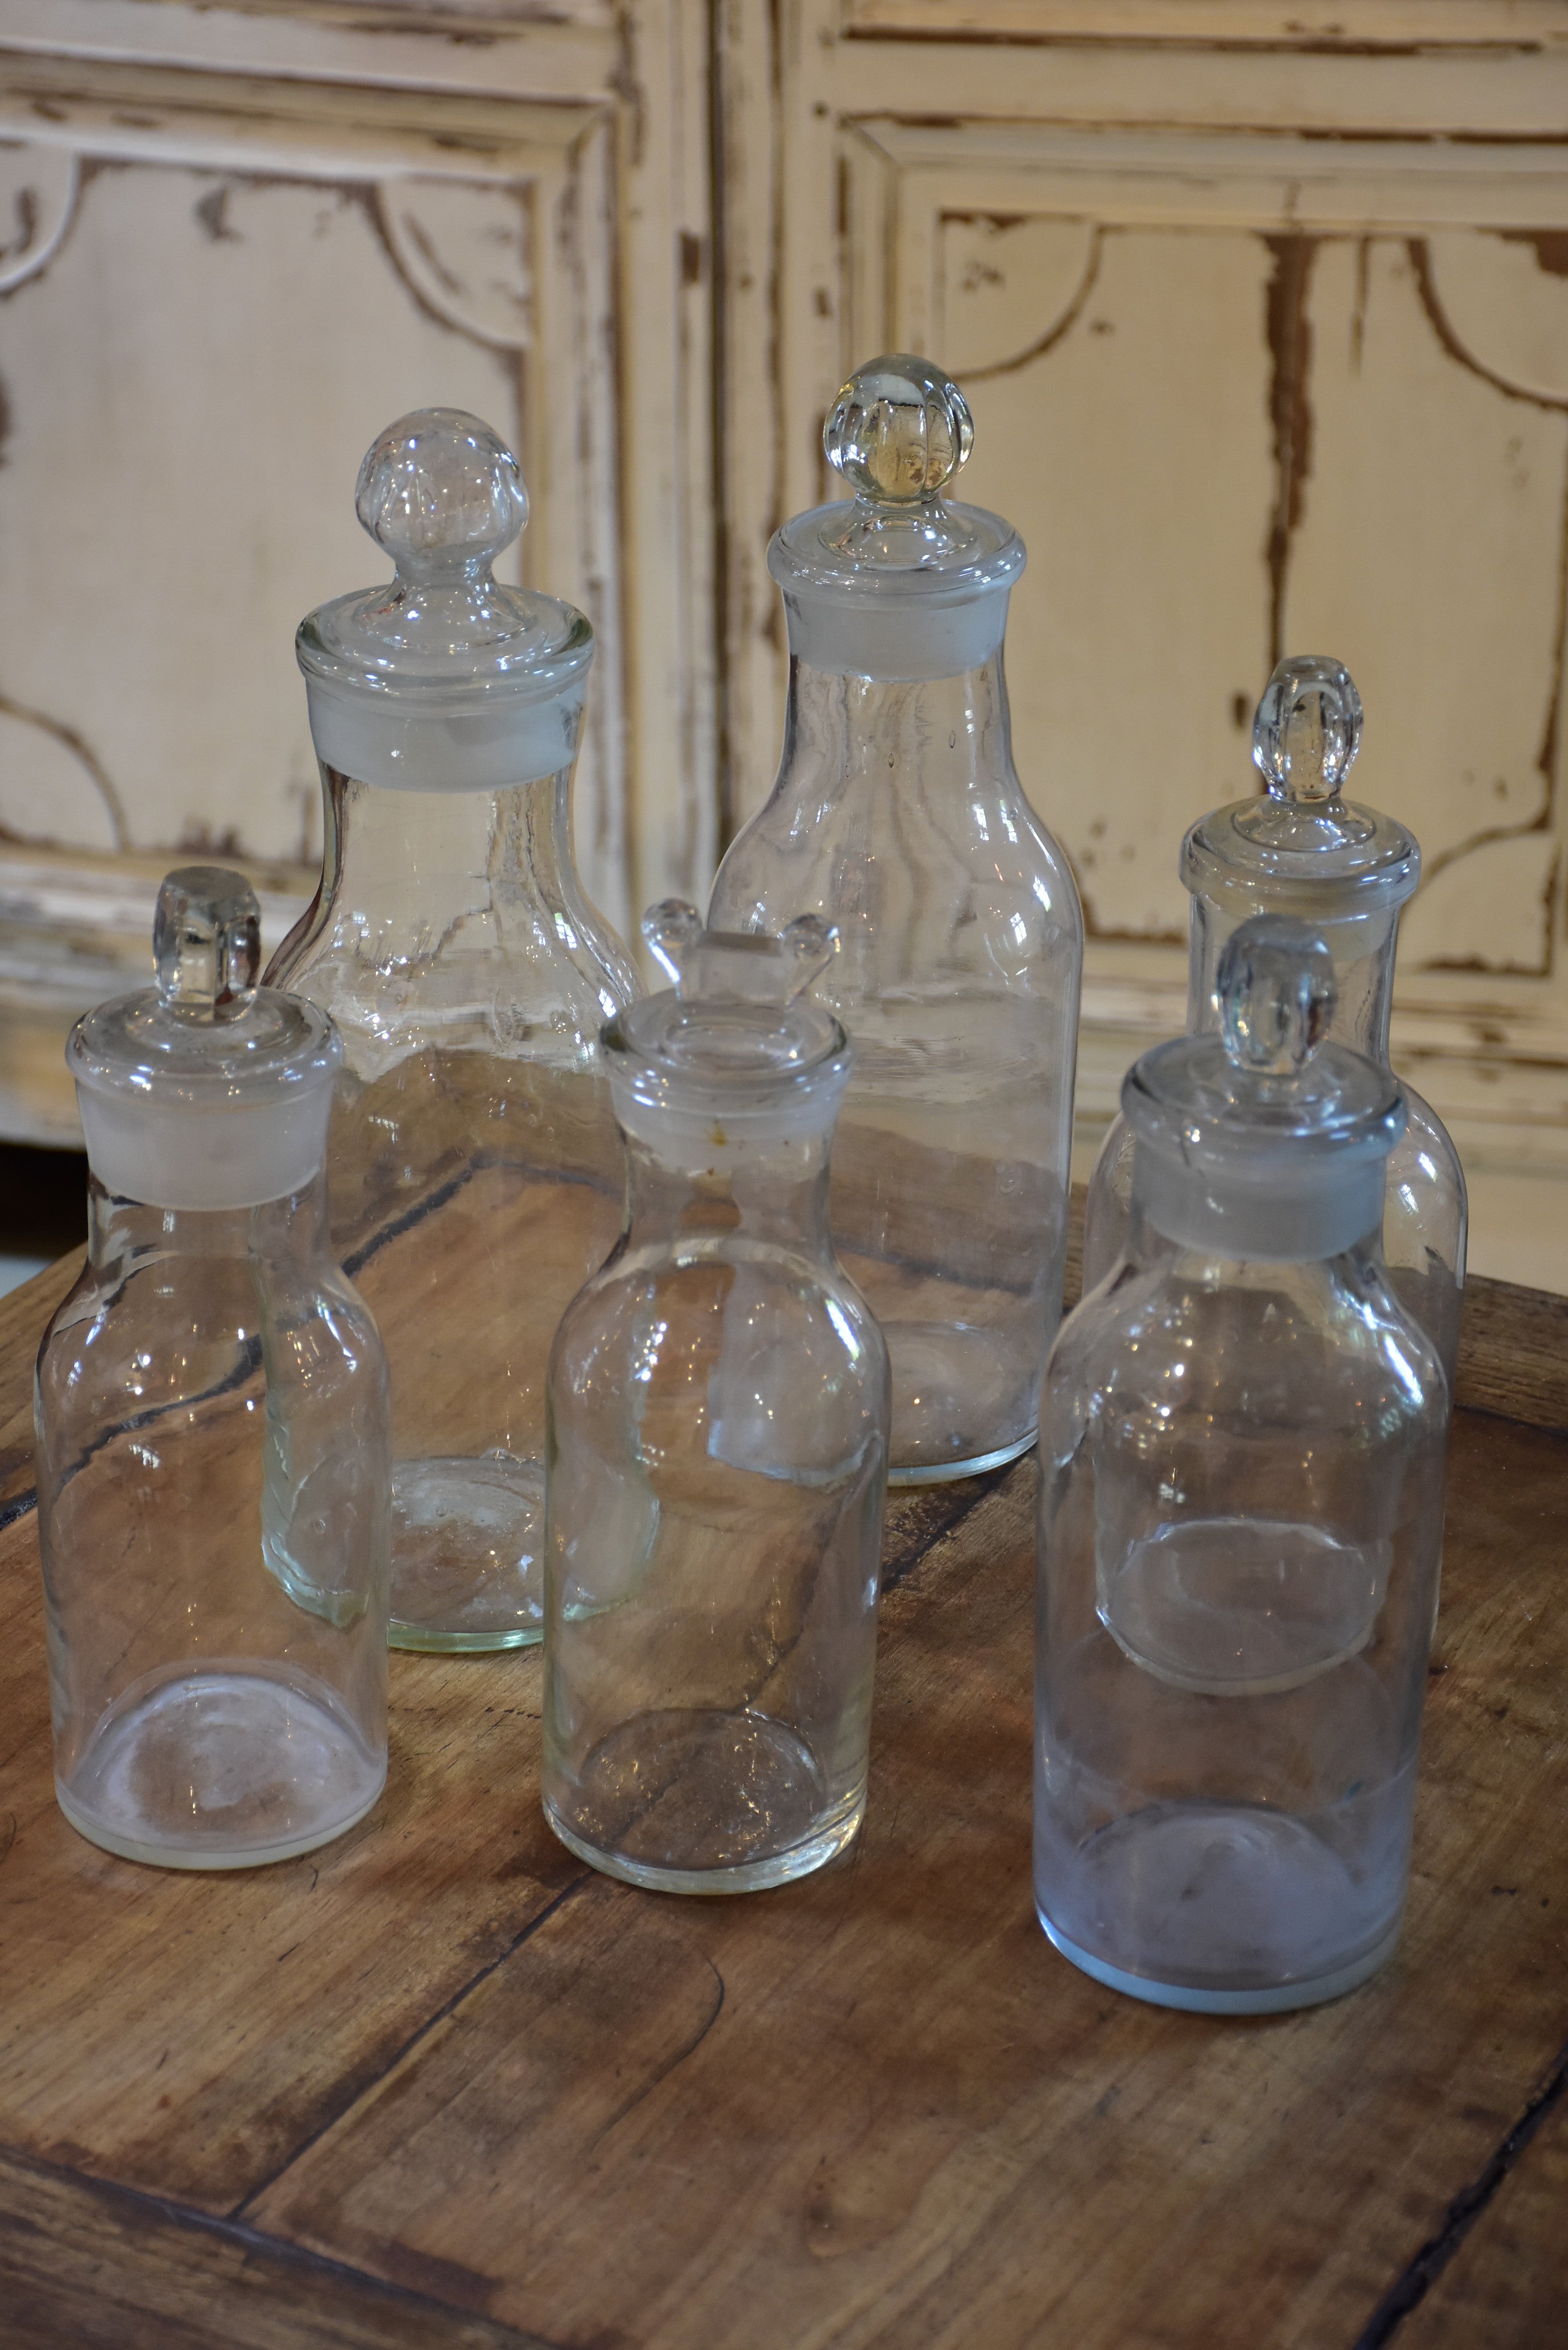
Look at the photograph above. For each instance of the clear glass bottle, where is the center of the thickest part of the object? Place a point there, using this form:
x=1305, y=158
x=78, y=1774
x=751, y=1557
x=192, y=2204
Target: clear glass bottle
x=213, y=1426
x=1241, y=1441
x=898, y=816
x=475, y=1172
x=1299, y=849
x=717, y=1448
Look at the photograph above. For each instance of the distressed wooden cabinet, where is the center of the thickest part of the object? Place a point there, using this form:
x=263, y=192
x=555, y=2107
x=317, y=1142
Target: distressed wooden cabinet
x=1262, y=311
x=235, y=242
x=1263, y=314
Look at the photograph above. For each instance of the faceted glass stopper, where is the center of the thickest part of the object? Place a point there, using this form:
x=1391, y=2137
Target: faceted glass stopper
x=1307, y=729
x=736, y=966
x=206, y=942
x=1277, y=994
x=442, y=494
x=898, y=431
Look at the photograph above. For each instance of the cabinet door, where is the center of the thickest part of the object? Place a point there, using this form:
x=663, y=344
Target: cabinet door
x=1263, y=318
x=234, y=243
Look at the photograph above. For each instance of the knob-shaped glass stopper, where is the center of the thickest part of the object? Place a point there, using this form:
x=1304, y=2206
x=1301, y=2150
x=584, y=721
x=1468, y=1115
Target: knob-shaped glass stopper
x=442, y=494
x=206, y=942
x=898, y=429
x=1307, y=729
x=1276, y=992
x=735, y=966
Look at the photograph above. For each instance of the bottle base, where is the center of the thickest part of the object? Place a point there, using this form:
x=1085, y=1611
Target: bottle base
x=703, y=1800
x=1234, y=1909
x=947, y=1473
x=467, y=1548
x=225, y=1768
x=744, y=1876
x=1274, y=1999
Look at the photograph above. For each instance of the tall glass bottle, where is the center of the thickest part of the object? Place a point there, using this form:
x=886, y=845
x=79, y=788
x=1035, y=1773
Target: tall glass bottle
x=1241, y=1453
x=1302, y=850
x=898, y=817
x=475, y=1172
x=214, y=1438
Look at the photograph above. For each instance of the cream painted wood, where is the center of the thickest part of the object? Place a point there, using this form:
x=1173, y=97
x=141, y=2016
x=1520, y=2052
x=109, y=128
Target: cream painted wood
x=1267, y=345
x=232, y=243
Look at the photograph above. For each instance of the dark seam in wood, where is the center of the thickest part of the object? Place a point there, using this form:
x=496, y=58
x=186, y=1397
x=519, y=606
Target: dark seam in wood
x=1287, y=327
x=1190, y=44
x=362, y=2088
x=11, y=1510
x=978, y=1490
x=1462, y=2214
x=229, y=2231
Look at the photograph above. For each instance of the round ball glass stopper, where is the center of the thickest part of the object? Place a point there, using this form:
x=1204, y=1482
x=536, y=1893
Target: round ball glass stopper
x=898, y=431
x=442, y=493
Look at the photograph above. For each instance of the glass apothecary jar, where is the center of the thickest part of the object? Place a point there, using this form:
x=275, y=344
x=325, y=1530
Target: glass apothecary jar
x=1242, y=1442
x=898, y=817
x=475, y=1172
x=213, y=1426
x=1302, y=850
x=717, y=1448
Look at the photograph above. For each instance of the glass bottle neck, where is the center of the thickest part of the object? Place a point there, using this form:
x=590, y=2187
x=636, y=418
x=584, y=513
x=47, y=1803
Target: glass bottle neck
x=762, y=1194
x=952, y=733
x=123, y=1232
x=444, y=852
x=1362, y=947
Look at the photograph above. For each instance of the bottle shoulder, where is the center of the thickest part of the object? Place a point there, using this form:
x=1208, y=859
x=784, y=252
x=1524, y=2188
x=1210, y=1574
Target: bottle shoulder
x=1320, y=1340
x=713, y=1294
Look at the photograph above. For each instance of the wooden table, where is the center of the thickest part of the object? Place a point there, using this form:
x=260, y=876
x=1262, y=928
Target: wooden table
x=441, y=2085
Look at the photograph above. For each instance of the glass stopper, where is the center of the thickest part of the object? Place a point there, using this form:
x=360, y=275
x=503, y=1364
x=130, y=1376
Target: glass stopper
x=442, y=493
x=898, y=431
x=1276, y=993
x=206, y=942
x=737, y=966
x=1307, y=729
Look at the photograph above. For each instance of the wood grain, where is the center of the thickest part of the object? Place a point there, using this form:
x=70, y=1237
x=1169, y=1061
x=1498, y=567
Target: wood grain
x=439, y=2084
x=103, y=2269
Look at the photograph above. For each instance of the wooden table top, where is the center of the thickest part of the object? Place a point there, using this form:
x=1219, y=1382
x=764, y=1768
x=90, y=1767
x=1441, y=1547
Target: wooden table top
x=441, y=2085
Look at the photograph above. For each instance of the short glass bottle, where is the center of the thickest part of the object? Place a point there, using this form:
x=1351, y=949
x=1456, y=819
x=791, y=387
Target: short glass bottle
x=898, y=817
x=717, y=1448
x=213, y=1426
x=1241, y=1443
x=475, y=1172
x=1302, y=850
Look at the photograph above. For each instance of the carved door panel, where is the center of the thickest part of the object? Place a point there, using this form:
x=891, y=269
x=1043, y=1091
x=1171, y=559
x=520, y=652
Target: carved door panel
x=233, y=245
x=1265, y=330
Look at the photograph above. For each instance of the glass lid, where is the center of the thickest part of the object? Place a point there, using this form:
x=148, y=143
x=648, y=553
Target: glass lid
x=444, y=496
x=207, y=1035
x=1301, y=839
x=1268, y=1087
x=897, y=434
x=737, y=1015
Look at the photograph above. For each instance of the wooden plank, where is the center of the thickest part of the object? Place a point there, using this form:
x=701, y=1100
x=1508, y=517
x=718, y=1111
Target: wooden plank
x=906, y=2120
x=874, y=2107
x=1498, y=2272
x=1513, y=1353
x=104, y=2269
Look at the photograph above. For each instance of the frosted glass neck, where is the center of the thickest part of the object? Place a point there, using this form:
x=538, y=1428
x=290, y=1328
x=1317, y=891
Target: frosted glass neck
x=952, y=733
x=1362, y=946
